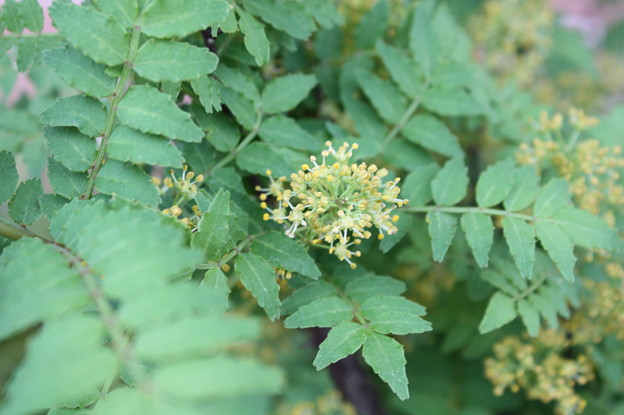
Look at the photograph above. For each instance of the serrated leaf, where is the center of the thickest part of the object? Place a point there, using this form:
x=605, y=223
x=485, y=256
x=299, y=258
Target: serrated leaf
x=24, y=206
x=8, y=173
x=307, y=294
x=243, y=109
x=451, y=102
x=525, y=189
x=216, y=281
x=399, y=323
x=585, y=229
x=417, y=186
x=558, y=246
x=530, y=317
x=520, y=238
x=367, y=286
x=285, y=132
x=479, y=234
x=450, y=184
x=442, y=228
x=387, y=359
x=495, y=183
x=389, y=102
x=255, y=38
x=73, y=149
x=30, y=49
x=11, y=17
x=342, y=340
x=65, y=182
x=97, y=35
x=85, y=113
x=289, y=17
x=213, y=237
x=501, y=310
x=80, y=71
x=283, y=252
x=500, y=281
x=259, y=278
x=165, y=60
x=31, y=14
x=402, y=68
x=179, y=18
x=553, y=197
x=429, y=132
x=323, y=312
x=375, y=307
x=36, y=284
x=221, y=131
x=422, y=40
x=76, y=344
x=50, y=203
x=124, y=11
x=127, y=181
x=127, y=144
x=285, y=93
x=209, y=92
x=150, y=111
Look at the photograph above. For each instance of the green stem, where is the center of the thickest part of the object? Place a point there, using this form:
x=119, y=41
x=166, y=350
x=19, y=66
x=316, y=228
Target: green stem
x=230, y=255
x=11, y=232
x=462, y=209
x=118, y=94
x=406, y=116
x=250, y=136
x=532, y=288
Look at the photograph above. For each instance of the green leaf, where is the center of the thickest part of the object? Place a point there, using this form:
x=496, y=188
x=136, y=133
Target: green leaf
x=130, y=401
x=166, y=60
x=323, y=312
x=501, y=282
x=404, y=224
x=342, y=340
x=525, y=189
x=442, y=228
x=213, y=237
x=585, y=229
x=127, y=144
x=24, y=206
x=97, y=35
x=307, y=294
x=79, y=71
x=389, y=102
x=283, y=252
x=65, y=182
x=179, y=18
x=558, y=246
x=373, y=26
x=520, y=237
x=259, y=277
x=398, y=323
x=422, y=40
x=450, y=184
x=429, y=132
x=480, y=235
x=286, y=92
x=451, y=102
x=209, y=92
x=243, y=109
x=50, y=203
x=385, y=355
x=417, y=186
x=202, y=379
x=36, y=284
x=376, y=306
x=239, y=81
x=367, y=286
x=73, y=149
x=31, y=14
x=127, y=181
x=221, y=131
x=553, y=197
x=530, y=317
x=289, y=17
x=495, y=183
x=150, y=111
x=258, y=157
x=501, y=310
x=30, y=49
x=124, y=11
x=11, y=17
x=85, y=113
x=402, y=68
x=215, y=280
x=284, y=131
x=76, y=344
x=255, y=39
x=8, y=173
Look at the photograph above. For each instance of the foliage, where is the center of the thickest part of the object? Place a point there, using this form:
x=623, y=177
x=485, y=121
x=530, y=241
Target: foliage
x=179, y=195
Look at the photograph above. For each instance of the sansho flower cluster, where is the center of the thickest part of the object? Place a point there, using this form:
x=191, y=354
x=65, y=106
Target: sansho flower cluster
x=334, y=204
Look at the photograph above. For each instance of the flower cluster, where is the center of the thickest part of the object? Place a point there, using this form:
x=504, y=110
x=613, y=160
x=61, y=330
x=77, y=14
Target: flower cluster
x=185, y=189
x=334, y=204
x=538, y=368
